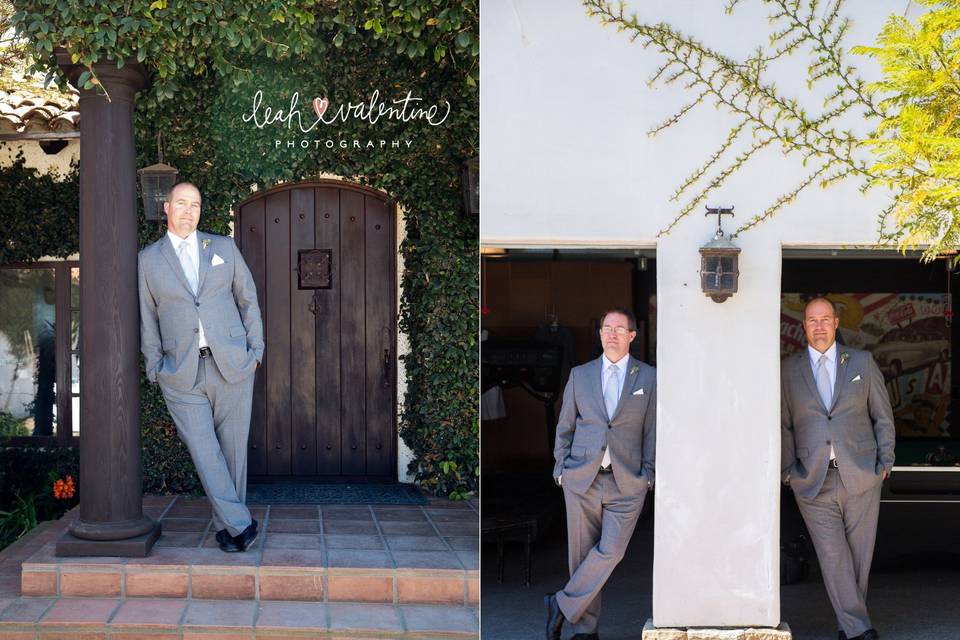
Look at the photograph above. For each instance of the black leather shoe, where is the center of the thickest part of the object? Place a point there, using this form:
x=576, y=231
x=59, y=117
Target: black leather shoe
x=870, y=634
x=554, y=617
x=247, y=537
x=841, y=635
x=227, y=542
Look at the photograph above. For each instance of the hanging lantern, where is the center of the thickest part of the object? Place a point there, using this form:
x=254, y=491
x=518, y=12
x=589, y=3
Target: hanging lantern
x=155, y=184
x=719, y=262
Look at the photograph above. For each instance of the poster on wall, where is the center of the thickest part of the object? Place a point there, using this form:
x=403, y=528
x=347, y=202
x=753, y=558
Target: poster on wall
x=910, y=341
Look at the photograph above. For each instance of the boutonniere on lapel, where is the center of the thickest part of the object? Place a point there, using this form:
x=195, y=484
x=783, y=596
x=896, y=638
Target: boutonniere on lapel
x=844, y=357
x=634, y=369
x=205, y=242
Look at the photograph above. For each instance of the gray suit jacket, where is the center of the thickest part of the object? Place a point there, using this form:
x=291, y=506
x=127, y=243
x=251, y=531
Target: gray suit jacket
x=226, y=302
x=859, y=424
x=584, y=428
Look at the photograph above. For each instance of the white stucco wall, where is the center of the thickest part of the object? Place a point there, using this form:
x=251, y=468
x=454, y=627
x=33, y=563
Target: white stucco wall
x=35, y=157
x=567, y=162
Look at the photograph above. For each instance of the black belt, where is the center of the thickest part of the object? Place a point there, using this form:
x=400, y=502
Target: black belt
x=606, y=469
x=205, y=352
x=833, y=464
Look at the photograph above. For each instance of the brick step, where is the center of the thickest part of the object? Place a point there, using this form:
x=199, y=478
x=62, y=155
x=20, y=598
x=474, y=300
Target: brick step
x=26, y=618
x=231, y=582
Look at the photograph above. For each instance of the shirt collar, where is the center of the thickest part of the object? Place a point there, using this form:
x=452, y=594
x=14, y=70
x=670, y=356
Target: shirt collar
x=620, y=364
x=175, y=240
x=831, y=354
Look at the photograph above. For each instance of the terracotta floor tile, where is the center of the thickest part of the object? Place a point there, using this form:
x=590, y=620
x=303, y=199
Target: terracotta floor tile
x=38, y=583
x=86, y=583
x=158, y=584
x=219, y=613
x=346, y=512
x=10, y=587
x=215, y=557
x=373, y=617
x=469, y=559
x=427, y=618
x=464, y=543
x=289, y=615
x=294, y=512
x=409, y=514
x=407, y=528
x=164, y=556
x=27, y=610
x=185, y=539
x=353, y=541
x=155, y=612
x=292, y=541
x=307, y=588
x=292, y=558
x=458, y=528
x=416, y=543
x=349, y=526
x=453, y=515
x=359, y=588
x=430, y=589
x=426, y=560
x=81, y=610
x=359, y=558
x=184, y=524
x=284, y=525
x=222, y=586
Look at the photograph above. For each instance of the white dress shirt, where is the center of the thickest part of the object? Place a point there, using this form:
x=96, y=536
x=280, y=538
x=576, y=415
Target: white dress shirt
x=193, y=251
x=831, y=365
x=620, y=364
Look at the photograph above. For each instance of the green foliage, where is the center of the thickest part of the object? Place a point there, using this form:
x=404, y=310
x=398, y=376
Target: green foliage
x=40, y=213
x=917, y=144
x=167, y=467
x=26, y=487
x=427, y=48
x=11, y=425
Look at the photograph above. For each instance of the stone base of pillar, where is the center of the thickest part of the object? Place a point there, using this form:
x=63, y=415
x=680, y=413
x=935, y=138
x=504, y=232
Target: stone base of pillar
x=701, y=633
x=138, y=547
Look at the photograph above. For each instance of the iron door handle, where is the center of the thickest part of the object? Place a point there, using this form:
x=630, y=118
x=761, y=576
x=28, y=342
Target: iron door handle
x=386, y=368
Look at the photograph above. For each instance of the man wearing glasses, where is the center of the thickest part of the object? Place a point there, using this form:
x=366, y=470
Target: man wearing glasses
x=605, y=452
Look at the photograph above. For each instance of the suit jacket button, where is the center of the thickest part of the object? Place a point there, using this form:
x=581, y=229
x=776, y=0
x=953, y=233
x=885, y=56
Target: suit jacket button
x=196, y=330
x=828, y=442
x=829, y=417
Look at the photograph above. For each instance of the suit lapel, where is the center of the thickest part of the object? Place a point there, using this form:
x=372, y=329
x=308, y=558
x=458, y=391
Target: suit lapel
x=166, y=248
x=632, y=372
x=595, y=375
x=204, y=260
x=806, y=372
x=841, y=375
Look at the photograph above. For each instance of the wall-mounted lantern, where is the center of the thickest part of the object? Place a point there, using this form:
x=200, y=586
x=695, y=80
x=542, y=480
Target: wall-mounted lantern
x=719, y=268
x=155, y=183
x=470, y=184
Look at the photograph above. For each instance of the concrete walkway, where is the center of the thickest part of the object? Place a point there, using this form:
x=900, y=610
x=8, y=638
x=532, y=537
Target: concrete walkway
x=911, y=597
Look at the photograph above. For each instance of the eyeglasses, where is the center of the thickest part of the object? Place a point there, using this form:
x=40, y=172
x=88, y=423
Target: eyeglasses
x=608, y=330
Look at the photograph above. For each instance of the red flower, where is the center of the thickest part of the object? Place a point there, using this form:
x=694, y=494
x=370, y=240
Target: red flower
x=64, y=489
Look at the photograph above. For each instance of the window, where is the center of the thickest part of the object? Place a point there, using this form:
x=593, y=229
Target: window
x=39, y=353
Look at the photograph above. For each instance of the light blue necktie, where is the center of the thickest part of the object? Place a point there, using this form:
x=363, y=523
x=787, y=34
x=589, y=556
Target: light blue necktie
x=189, y=270
x=823, y=382
x=611, y=395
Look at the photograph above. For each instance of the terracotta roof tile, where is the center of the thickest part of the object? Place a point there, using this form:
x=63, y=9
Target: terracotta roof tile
x=21, y=112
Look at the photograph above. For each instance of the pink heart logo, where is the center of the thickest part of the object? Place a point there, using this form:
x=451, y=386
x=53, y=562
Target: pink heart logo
x=320, y=106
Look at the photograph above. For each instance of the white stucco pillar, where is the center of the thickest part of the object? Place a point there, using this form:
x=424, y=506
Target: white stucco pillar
x=716, y=549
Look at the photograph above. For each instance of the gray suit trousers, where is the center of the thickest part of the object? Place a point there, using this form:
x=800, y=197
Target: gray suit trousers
x=600, y=524
x=844, y=529
x=213, y=420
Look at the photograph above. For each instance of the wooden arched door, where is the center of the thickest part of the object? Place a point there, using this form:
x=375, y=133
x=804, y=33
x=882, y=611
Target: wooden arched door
x=323, y=255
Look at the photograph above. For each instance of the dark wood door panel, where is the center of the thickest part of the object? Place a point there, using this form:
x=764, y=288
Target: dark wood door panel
x=303, y=364
x=378, y=288
x=277, y=329
x=327, y=220
x=353, y=370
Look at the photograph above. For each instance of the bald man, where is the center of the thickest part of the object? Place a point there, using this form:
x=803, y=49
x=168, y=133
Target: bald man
x=202, y=339
x=837, y=439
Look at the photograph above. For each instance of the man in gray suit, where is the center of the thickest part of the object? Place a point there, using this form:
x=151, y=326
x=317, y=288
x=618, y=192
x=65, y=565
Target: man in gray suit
x=202, y=339
x=837, y=438
x=605, y=452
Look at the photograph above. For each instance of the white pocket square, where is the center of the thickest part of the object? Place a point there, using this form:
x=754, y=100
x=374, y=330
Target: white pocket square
x=857, y=379
x=638, y=392
x=216, y=260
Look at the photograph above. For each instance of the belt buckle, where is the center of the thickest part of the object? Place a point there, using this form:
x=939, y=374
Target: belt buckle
x=204, y=352
x=833, y=464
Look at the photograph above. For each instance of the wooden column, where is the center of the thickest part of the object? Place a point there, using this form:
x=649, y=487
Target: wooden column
x=111, y=521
